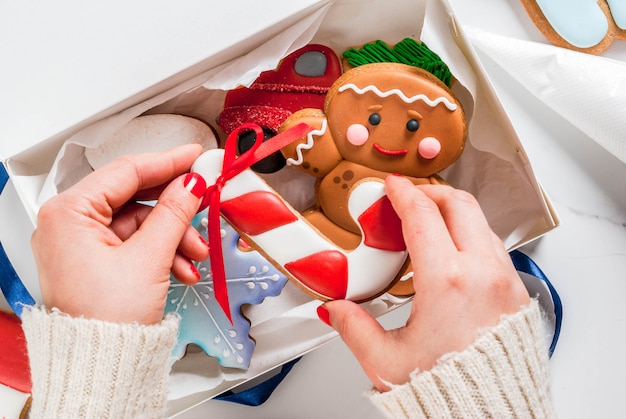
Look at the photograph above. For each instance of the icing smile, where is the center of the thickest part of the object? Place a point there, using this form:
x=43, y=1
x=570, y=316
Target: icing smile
x=392, y=153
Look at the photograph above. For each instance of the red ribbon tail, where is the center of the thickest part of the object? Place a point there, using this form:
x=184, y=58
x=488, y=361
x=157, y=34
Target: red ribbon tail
x=221, y=291
x=232, y=166
x=220, y=288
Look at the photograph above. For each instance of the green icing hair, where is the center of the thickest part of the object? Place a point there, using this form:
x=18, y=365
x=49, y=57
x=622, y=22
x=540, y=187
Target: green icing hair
x=407, y=51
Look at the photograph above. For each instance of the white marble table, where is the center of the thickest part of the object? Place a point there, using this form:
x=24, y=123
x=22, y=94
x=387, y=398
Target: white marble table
x=585, y=258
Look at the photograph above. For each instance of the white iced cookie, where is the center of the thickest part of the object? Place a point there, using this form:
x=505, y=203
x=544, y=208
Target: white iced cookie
x=152, y=133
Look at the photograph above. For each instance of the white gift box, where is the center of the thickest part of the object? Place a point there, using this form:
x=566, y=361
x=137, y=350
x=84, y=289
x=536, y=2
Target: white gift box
x=73, y=87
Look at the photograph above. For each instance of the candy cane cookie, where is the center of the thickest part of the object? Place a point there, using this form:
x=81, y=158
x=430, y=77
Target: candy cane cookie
x=312, y=261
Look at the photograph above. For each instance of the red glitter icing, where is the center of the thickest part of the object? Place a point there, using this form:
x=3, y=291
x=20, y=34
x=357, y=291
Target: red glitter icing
x=276, y=94
x=265, y=116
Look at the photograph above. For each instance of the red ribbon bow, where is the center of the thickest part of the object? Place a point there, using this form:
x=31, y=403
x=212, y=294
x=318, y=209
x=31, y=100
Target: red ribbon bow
x=232, y=166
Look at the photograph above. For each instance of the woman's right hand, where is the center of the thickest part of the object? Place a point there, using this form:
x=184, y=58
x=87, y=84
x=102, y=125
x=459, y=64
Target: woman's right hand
x=464, y=282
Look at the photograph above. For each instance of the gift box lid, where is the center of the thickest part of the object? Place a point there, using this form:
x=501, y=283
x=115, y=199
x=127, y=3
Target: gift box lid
x=71, y=63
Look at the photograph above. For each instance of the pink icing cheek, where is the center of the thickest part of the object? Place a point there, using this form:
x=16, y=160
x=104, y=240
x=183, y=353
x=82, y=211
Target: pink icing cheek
x=429, y=148
x=357, y=134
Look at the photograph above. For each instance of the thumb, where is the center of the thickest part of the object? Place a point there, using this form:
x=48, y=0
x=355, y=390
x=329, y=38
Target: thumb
x=164, y=227
x=361, y=332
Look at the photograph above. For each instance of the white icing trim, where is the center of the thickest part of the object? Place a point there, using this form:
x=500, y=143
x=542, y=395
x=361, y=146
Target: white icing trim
x=431, y=102
x=308, y=145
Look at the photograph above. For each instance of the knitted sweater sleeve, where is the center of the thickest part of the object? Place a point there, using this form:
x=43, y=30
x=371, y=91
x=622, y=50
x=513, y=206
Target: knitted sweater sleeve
x=90, y=368
x=503, y=374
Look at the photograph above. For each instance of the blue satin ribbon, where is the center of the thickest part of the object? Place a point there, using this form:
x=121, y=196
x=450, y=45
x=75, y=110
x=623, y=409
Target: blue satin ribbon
x=4, y=178
x=257, y=395
x=13, y=289
x=525, y=264
x=11, y=286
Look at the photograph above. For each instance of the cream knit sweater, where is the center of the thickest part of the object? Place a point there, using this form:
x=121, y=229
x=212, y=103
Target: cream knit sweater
x=503, y=374
x=93, y=369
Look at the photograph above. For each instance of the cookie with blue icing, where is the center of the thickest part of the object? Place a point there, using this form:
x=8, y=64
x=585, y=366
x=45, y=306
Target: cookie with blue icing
x=584, y=25
x=250, y=279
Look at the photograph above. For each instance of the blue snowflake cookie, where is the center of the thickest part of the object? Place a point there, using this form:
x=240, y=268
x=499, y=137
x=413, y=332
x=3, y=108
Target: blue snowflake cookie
x=250, y=279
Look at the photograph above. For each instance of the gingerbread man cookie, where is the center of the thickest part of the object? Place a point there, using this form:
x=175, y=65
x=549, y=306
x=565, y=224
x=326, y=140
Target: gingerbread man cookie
x=378, y=119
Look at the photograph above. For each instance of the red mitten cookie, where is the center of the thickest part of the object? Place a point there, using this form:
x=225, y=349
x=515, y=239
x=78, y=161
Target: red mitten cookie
x=301, y=80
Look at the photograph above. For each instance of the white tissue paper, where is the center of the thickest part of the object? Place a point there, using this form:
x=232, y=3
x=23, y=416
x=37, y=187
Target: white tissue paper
x=588, y=91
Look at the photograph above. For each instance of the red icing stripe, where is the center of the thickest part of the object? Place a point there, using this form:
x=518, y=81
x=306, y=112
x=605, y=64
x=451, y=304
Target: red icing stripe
x=257, y=212
x=325, y=273
x=382, y=228
x=14, y=363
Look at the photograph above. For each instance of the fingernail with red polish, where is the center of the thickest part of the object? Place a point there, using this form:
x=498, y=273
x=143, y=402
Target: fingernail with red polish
x=323, y=314
x=195, y=271
x=195, y=184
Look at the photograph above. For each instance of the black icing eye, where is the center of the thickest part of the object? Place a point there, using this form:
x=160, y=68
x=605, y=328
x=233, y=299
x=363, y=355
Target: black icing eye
x=374, y=119
x=272, y=163
x=412, y=125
